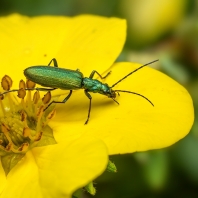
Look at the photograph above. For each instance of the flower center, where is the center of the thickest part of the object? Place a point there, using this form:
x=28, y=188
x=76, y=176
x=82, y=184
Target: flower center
x=23, y=123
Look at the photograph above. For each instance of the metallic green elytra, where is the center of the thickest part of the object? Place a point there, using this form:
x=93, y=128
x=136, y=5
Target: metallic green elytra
x=54, y=77
x=66, y=79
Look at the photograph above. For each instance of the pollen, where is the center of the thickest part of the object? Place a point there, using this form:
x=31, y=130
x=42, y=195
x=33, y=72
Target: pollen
x=23, y=121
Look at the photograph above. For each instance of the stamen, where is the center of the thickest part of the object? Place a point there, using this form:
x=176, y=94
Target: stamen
x=5, y=130
x=9, y=147
x=29, y=85
x=23, y=117
x=6, y=83
x=22, y=94
x=38, y=136
x=23, y=147
x=49, y=117
x=36, y=98
x=1, y=104
x=22, y=84
x=47, y=97
x=23, y=123
x=39, y=115
x=26, y=132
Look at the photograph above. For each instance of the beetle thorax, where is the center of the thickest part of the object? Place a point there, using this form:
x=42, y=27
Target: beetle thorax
x=95, y=86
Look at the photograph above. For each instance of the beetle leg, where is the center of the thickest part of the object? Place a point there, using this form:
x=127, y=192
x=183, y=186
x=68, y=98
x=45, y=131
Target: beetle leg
x=94, y=71
x=89, y=96
x=54, y=61
x=64, y=101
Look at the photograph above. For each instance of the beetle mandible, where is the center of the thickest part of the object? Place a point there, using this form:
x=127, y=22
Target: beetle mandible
x=66, y=79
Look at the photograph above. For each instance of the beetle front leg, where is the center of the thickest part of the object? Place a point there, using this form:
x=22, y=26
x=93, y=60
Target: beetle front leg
x=54, y=61
x=94, y=71
x=89, y=96
x=64, y=101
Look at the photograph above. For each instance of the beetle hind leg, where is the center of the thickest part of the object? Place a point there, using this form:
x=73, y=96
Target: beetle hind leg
x=64, y=101
x=89, y=96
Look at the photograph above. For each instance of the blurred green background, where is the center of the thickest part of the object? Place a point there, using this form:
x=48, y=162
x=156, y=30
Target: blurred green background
x=164, y=29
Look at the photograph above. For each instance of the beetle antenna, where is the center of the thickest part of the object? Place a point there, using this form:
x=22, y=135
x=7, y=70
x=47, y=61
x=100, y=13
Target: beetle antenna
x=13, y=90
x=30, y=89
x=134, y=72
x=135, y=94
x=115, y=100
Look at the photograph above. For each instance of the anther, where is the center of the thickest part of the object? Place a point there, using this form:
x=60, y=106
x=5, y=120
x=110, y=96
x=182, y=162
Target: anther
x=46, y=98
x=23, y=147
x=38, y=136
x=9, y=147
x=36, y=97
x=23, y=116
x=6, y=83
x=30, y=84
x=51, y=114
x=21, y=84
x=21, y=93
x=49, y=117
x=40, y=111
x=26, y=132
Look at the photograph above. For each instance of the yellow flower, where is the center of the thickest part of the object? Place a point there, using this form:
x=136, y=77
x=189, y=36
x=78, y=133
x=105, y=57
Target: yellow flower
x=35, y=165
x=92, y=43
x=59, y=169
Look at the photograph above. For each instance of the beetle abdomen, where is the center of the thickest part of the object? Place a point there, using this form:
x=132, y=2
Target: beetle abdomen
x=54, y=77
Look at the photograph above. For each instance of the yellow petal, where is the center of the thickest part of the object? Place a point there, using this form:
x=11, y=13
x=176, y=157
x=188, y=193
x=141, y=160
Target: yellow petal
x=3, y=179
x=76, y=42
x=57, y=170
x=93, y=43
x=23, y=180
x=30, y=41
x=134, y=125
x=63, y=168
